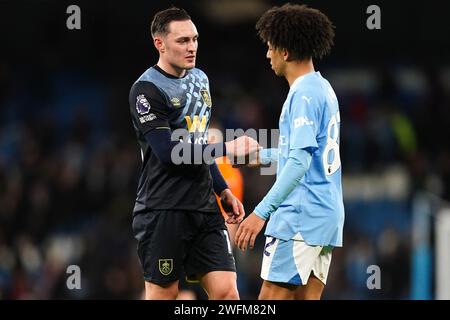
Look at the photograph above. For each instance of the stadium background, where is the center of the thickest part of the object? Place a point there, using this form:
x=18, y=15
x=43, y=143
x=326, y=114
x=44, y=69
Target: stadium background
x=69, y=160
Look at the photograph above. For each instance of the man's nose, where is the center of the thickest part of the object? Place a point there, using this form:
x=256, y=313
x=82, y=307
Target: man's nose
x=192, y=46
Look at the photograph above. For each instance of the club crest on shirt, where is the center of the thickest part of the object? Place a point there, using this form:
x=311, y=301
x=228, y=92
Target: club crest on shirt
x=165, y=266
x=142, y=105
x=206, y=98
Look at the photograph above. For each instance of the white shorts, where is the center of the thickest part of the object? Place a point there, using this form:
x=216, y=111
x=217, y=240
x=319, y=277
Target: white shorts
x=293, y=261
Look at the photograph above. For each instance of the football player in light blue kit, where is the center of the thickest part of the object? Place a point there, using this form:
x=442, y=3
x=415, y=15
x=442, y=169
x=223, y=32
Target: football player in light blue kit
x=304, y=207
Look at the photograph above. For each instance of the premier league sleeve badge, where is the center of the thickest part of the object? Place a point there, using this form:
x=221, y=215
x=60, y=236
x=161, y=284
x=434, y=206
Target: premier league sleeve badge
x=142, y=105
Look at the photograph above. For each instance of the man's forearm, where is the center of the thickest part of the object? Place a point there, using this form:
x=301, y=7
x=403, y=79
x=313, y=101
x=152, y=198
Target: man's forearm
x=219, y=182
x=289, y=178
x=160, y=141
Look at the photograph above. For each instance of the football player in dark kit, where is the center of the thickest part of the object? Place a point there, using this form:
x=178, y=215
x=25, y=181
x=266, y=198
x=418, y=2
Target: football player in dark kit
x=176, y=219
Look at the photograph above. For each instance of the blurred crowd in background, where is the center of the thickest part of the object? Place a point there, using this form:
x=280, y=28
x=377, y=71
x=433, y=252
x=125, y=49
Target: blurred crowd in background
x=69, y=160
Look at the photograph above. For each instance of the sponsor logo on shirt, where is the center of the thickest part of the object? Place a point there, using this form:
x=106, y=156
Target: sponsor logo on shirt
x=196, y=124
x=302, y=121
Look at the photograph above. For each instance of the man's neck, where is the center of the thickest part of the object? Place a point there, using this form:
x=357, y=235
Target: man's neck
x=296, y=69
x=176, y=72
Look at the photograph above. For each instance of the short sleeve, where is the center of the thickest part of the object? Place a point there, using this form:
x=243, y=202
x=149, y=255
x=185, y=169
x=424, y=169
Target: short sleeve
x=304, y=121
x=148, y=107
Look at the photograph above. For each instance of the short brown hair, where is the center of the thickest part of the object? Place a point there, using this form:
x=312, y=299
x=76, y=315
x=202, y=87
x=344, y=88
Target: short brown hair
x=162, y=19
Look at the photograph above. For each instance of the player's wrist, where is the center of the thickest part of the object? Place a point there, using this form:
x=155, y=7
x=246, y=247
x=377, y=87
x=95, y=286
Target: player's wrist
x=260, y=215
x=266, y=156
x=225, y=192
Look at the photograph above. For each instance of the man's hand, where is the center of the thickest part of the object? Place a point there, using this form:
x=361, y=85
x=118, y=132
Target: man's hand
x=255, y=160
x=242, y=146
x=248, y=230
x=232, y=207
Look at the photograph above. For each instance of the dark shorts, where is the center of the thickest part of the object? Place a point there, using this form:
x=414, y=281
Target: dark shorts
x=172, y=244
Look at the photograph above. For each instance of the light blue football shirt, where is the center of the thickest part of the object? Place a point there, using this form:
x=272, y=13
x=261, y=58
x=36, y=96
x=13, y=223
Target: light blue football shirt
x=310, y=120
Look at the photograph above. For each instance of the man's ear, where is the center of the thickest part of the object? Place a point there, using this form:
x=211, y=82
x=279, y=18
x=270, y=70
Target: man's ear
x=159, y=44
x=285, y=55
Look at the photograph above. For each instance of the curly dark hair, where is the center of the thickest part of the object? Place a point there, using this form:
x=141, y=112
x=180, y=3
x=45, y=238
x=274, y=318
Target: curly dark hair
x=304, y=32
x=163, y=18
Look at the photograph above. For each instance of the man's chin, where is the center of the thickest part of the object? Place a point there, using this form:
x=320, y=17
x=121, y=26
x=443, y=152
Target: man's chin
x=277, y=73
x=189, y=66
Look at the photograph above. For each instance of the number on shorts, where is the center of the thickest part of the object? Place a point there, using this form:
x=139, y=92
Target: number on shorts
x=268, y=244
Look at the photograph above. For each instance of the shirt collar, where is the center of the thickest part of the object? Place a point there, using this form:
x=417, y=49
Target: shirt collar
x=299, y=79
